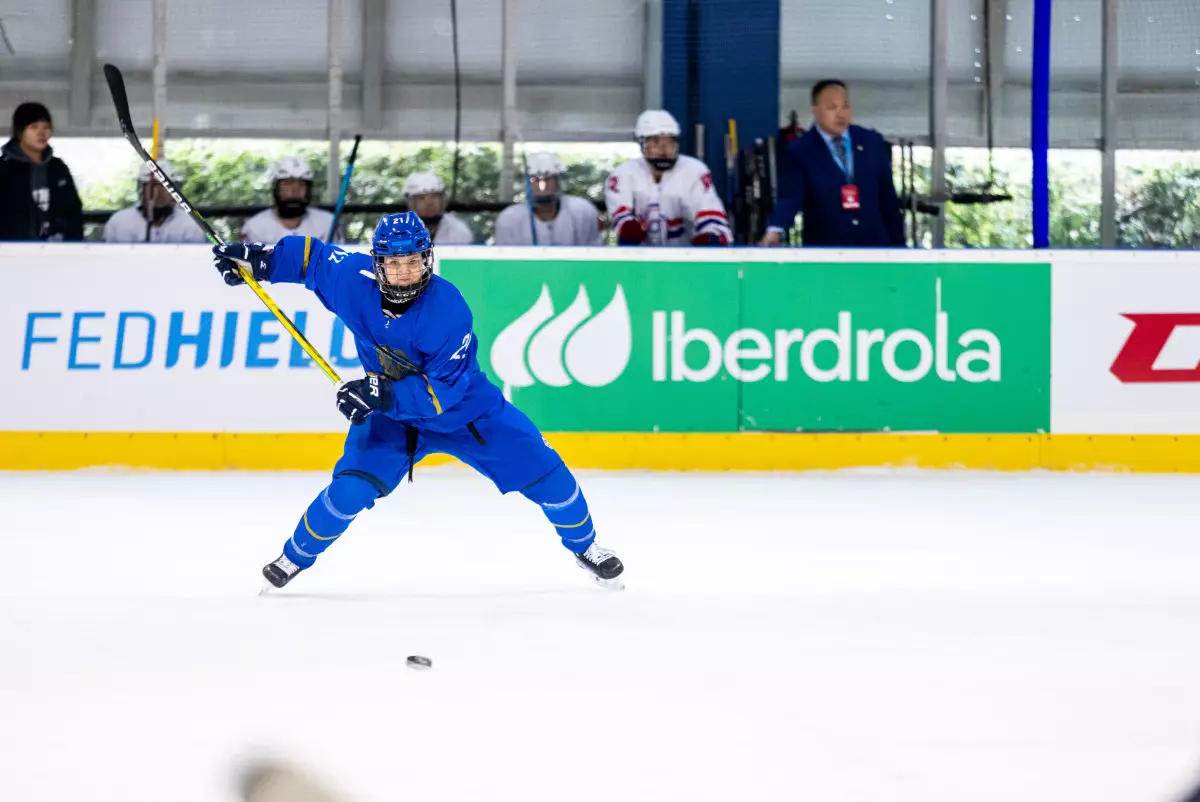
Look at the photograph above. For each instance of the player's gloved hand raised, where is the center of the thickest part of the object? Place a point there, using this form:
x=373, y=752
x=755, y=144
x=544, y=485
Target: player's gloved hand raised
x=255, y=254
x=359, y=398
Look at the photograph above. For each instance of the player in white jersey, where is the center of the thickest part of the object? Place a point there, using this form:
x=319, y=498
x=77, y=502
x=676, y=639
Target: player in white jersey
x=155, y=218
x=664, y=198
x=290, y=213
x=559, y=219
x=426, y=195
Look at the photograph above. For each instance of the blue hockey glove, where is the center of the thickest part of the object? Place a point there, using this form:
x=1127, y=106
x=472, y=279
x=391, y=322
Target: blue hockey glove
x=359, y=398
x=255, y=254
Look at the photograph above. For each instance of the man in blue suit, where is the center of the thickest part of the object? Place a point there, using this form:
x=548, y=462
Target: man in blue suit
x=840, y=177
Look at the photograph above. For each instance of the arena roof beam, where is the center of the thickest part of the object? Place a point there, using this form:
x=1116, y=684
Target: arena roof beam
x=159, y=73
x=337, y=13
x=652, y=55
x=939, y=90
x=83, y=57
x=996, y=44
x=1108, y=127
x=509, y=123
x=373, y=61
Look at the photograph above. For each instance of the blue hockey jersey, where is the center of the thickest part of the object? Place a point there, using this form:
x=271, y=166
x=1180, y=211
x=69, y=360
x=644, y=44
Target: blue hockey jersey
x=429, y=351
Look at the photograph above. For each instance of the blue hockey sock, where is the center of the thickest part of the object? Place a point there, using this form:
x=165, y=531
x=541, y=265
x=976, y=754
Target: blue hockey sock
x=327, y=517
x=562, y=501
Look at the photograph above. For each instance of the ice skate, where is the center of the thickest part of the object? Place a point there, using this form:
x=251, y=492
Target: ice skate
x=280, y=572
x=606, y=569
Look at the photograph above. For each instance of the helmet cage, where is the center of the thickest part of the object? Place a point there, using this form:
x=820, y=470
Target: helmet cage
x=403, y=293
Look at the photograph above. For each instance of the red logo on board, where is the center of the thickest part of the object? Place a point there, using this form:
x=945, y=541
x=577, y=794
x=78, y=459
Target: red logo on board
x=1135, y=363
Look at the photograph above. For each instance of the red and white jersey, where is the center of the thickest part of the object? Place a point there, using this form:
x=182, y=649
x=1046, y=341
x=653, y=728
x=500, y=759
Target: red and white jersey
x=673, y=211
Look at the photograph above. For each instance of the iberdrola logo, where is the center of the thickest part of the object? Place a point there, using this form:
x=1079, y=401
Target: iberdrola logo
x=573, y=346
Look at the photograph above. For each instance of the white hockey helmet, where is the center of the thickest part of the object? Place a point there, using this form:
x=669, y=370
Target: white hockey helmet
x=541, y=167
x=291, y=167
x=423, y=184
x=655, y=122
x=164, y=165
x=544, y=163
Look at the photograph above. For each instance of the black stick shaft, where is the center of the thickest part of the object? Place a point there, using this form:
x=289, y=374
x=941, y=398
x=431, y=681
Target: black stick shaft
x=116, y=85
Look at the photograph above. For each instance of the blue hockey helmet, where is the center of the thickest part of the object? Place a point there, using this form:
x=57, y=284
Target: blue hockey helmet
x=398, y=236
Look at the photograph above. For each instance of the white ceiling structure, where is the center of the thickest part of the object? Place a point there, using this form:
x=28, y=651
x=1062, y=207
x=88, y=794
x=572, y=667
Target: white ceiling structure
x=584, y=68
x=260, y=68
x=881, y=48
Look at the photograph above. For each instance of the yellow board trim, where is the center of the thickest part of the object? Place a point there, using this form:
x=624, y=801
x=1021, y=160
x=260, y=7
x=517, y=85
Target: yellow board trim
x=678, y=452
x=574, y=526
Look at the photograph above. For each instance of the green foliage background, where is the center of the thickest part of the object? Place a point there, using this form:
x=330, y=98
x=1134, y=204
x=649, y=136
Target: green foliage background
x=1158, y=193
x=236, y=172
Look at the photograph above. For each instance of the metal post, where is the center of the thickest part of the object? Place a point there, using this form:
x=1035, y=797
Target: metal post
x=652, y=56
x=1039, y=121
x=1108, y=128
x=509, y=127
x=373, y=63
x=993, y=59
x=159, y=103
x=83, y=55
x=337, y=11
x=939, y=89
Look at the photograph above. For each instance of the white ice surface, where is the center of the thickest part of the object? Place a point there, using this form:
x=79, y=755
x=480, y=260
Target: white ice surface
x=873, y=636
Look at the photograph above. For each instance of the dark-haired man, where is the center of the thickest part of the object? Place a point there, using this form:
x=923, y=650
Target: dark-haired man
x=839, y=176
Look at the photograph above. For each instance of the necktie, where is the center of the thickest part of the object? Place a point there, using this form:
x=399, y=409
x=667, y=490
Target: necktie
x=839, y=153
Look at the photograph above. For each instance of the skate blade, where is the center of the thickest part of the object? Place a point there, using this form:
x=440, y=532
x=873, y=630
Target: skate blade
x=266, y=588
x=609, y=584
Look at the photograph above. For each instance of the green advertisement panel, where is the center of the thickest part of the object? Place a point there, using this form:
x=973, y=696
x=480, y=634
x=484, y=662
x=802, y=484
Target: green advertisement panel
x=582, y=345
x=894, y=347
x=718, y=346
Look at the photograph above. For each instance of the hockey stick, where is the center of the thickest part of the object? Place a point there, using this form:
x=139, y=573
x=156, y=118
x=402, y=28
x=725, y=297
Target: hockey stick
x=762, y=190
x=116, y=85
x=731, y=165
x=528, y=184
x=341, y=201
x=529, y=196
x=141, y=190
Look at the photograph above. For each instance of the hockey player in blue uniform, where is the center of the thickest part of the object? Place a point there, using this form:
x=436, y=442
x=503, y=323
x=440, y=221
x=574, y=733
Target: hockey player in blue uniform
x=423, y=393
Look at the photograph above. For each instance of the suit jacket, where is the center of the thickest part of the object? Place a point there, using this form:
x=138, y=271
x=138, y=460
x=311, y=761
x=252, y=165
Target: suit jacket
x=811, y=182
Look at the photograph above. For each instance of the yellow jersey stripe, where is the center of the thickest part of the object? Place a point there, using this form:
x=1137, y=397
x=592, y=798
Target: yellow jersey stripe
x=307, y=254
x=314, y=534
x=437, y=405
x=574, y=526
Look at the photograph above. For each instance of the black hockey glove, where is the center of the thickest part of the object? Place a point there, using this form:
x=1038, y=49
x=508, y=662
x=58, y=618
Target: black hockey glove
x=255, y=254
x=359, y=398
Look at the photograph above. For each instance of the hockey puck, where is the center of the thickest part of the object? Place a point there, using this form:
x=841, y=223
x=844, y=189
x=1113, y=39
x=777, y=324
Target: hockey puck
x=419, y=662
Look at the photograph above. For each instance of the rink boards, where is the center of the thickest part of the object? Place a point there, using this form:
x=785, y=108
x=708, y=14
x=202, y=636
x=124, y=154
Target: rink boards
x=702, y=359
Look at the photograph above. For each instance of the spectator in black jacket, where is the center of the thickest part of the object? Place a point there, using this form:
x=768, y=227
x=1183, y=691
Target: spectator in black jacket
x=38, y=199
